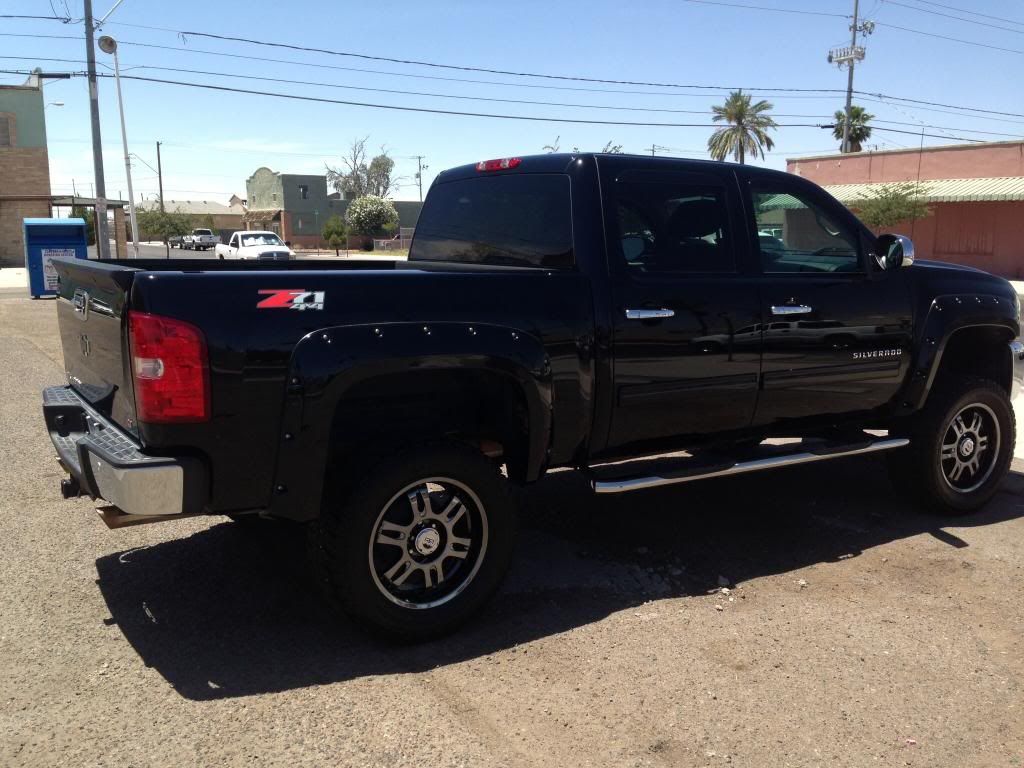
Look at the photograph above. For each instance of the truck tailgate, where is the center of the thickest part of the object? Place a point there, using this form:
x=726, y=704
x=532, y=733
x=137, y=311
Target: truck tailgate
x=91, y=307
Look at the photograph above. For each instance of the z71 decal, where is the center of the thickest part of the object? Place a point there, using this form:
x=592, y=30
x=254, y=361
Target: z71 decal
x=290, y=298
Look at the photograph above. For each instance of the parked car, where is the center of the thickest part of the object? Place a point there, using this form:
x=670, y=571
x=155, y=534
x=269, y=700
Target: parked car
x=555, y=311
x=263, y=246
x=175, y=241
x=200, y=240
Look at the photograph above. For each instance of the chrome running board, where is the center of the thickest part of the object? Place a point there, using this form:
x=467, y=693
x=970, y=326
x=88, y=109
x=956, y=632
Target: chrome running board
x=686, y=474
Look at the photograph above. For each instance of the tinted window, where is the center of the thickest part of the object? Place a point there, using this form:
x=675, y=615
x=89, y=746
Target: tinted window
x=667, y=227
x=795, y=234
x=513, y=219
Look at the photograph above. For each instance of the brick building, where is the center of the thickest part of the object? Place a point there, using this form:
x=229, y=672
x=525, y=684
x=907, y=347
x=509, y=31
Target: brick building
x=295, y=206
x=24, y=165
x=975, y=193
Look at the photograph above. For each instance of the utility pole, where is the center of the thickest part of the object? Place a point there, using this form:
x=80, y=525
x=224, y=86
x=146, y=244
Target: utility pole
x=657, y=148
x=160, y=176
x=420, y=167
x=102, y=241
x=849, y=57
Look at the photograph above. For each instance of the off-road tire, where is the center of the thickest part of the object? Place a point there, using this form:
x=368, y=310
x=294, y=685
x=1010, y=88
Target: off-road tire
x=921, y=468
x=341, y=547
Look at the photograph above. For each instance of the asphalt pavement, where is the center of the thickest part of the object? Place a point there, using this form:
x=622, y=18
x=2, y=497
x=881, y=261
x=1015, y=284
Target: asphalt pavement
x=808, y=617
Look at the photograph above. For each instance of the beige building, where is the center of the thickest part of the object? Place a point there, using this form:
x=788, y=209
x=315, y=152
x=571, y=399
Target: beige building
x=24, y=165
x=226, y=218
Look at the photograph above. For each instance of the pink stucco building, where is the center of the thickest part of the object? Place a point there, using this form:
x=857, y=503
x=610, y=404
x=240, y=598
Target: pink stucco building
x=975, y=192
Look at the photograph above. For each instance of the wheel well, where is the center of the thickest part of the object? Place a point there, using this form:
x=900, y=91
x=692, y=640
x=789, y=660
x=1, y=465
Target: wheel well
x=978, y=351
x=481, y=408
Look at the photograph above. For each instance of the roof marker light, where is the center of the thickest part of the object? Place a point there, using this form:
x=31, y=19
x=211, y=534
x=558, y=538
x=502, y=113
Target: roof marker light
x=502, y=164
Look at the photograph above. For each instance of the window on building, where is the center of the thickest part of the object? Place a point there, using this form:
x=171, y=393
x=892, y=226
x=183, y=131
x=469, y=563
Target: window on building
x=304, y=191
x=5, y=131
x=273, y=197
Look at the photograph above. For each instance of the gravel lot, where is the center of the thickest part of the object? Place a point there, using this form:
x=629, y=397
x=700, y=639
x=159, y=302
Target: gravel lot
x=855, y=631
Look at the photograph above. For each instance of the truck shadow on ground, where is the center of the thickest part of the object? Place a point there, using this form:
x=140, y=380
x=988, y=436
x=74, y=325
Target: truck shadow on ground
x=223, y=613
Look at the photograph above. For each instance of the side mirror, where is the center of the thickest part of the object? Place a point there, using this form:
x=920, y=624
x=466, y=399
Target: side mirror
x=893, y=251
x=288, y=243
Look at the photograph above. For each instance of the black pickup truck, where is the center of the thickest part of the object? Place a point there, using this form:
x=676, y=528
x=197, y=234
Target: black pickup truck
x=555, y=311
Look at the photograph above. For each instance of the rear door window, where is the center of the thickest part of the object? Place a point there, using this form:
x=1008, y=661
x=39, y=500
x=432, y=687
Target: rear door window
x=512, y=219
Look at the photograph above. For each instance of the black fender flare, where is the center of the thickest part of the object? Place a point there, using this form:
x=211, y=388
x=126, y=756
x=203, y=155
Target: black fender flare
x=327, y=363
x=947, y=315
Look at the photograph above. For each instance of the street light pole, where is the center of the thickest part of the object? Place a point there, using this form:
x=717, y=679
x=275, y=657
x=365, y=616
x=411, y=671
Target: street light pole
x=109, y=45
x=160, y=176
x=102, y=243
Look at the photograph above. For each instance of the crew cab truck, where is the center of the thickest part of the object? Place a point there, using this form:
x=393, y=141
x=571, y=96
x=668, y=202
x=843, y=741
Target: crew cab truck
x=253, y=244
x=555, y=311
x=199, y=240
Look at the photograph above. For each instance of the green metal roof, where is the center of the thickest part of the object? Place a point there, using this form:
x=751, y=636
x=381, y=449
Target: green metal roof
x=943, y=190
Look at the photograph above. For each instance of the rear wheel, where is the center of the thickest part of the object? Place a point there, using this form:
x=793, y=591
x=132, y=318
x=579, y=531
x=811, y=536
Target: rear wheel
x=420, y=543
x=961, y=446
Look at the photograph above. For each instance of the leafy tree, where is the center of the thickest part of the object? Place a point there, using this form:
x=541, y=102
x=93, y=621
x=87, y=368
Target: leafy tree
x=155, y=224
x=81, y=212
x=380, y=175
x=335, y=233
x=371, y=215
x=860, y=131
x=356, y=177
x=891, y=204
x=747, y=131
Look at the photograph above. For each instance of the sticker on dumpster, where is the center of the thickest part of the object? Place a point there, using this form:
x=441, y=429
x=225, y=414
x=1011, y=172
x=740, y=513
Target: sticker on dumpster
x=50, y=271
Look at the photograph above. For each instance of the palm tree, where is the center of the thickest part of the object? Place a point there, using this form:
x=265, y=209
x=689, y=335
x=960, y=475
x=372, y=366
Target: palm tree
x=747, y=131
x=860, y=131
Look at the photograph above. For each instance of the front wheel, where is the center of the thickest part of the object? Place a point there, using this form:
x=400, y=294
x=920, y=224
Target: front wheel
x=961, y=446
x=420, y=542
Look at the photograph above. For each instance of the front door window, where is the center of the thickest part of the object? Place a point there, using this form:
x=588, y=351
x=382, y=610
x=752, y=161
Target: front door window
x=796, y=235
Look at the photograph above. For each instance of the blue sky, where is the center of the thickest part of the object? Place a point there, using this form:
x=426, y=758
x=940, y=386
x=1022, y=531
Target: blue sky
x=213, y=141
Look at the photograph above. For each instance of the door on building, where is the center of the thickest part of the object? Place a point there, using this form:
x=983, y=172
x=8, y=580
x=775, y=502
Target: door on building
x=686, y=319
x=837, y=329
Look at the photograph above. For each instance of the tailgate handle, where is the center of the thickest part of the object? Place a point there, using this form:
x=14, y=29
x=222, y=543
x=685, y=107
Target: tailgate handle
x=80, y=302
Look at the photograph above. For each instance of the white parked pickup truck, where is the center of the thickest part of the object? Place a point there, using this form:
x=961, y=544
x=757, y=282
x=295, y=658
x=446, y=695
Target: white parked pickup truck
x=265, y=246
x=200, y=240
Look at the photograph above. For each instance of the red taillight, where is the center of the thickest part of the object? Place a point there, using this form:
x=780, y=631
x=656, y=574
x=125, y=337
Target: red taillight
x=172, y=382
x=498, y=165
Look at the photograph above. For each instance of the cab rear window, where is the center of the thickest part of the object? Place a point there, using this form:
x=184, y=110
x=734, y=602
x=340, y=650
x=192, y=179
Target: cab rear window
x=520, y=220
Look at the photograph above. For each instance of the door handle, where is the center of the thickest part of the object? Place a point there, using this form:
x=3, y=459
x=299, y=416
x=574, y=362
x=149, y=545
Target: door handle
x=792, y=309
x=649, y=314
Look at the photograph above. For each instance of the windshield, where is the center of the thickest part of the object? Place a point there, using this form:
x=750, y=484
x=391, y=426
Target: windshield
x=202, y=232
x=261, y=238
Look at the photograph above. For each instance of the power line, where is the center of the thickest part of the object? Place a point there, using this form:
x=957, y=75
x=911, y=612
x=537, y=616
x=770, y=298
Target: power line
x=965, y=10
x=946, y=37
x=22, y=16
x=951, y=16
x=183, y=70
x=463, y=67
x=532, y=118
x=766, y=8
x=722, y=89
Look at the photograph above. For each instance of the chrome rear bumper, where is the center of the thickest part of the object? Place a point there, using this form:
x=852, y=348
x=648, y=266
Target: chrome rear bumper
x=106, y=463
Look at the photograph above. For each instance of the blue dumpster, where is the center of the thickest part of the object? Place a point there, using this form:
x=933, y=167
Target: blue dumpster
x=47, y=239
